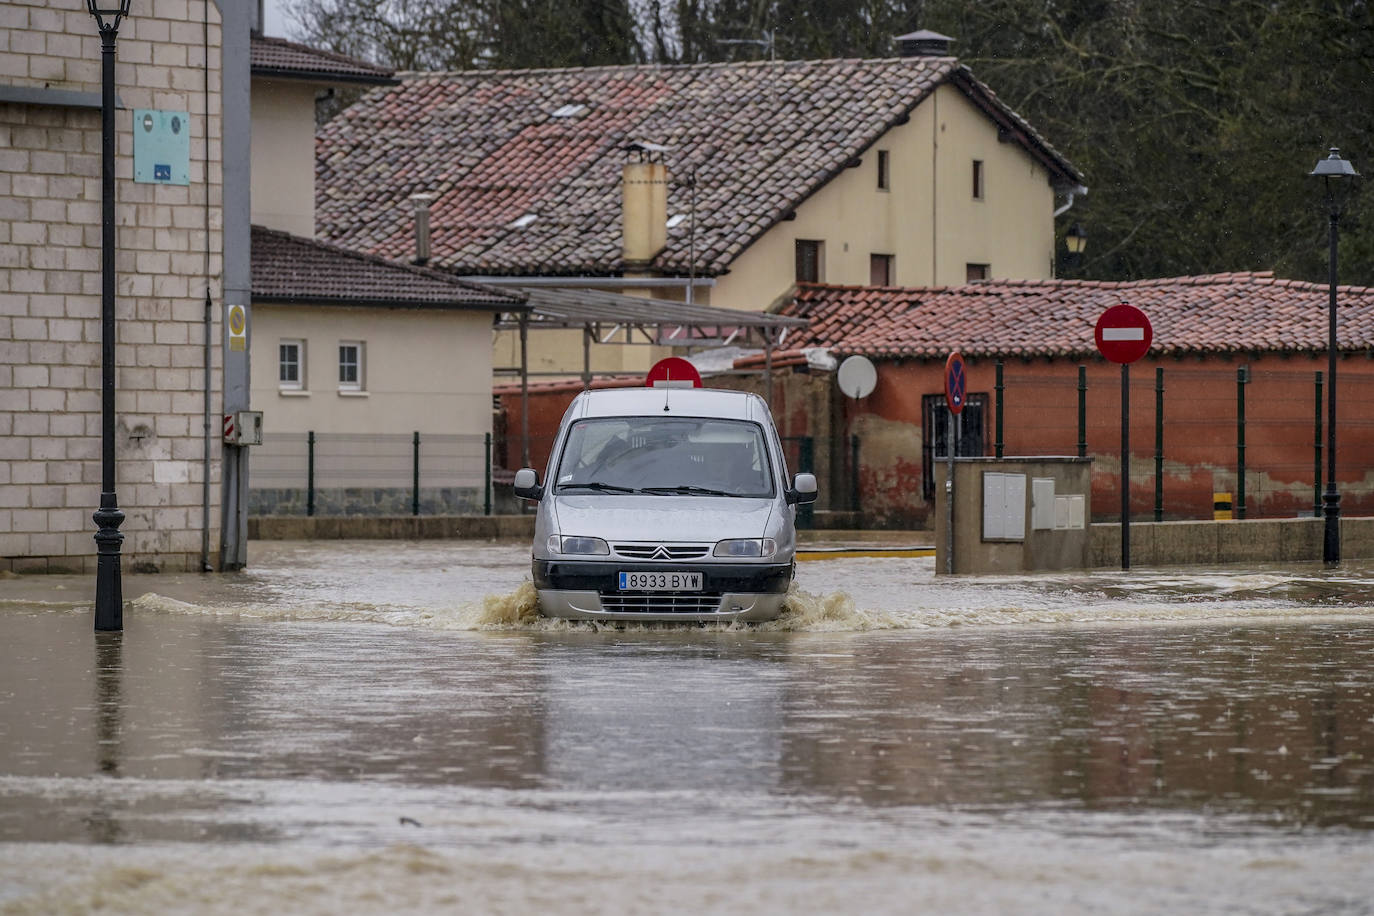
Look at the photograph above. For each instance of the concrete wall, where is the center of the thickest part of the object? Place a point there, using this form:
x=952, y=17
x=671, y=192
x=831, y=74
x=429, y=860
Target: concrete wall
x=977, y=551
x=424, y=370
x=1285, y=540
x=284, y=156
x=50, y=288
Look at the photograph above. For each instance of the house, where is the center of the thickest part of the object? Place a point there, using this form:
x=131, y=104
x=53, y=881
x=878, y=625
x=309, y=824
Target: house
x=1233, y=380
x=235, y=111
x=349, y=344
x=714, y=183
x=169, y=271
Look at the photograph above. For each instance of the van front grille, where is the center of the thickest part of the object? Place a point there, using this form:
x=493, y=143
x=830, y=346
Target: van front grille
x=661, y=604
x=663, y=551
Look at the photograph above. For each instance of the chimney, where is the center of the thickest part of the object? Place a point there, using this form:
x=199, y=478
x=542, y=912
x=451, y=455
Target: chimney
x=644, y=204
x=421, y=202
x=923, y=43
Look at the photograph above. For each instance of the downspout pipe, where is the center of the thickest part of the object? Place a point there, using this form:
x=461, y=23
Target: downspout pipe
x=1074, y=193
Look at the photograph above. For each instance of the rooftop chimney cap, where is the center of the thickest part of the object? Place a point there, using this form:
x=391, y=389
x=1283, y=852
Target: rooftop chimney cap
x=646, y=150
x=923, y=43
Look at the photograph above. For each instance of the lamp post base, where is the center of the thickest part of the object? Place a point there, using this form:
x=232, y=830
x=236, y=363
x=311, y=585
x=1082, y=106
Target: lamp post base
x=1331, y=540
x=109, y=592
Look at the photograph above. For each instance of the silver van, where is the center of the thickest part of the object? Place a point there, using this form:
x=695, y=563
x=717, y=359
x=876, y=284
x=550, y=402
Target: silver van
x=665, y=504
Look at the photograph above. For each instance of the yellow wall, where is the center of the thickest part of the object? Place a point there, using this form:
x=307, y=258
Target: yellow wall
x=928, y=219
x=424, y=370
x=283, y=184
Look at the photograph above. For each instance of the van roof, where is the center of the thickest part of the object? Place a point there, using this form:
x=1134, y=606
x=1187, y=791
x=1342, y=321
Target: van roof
x=691, y=402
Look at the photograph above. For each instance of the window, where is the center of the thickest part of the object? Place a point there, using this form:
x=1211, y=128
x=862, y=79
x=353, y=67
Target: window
x=810, y=261
x=291, y=365
x=977, y=272
x=977, y=179
x=350, y=366
x=884, y=175
x=935, y=433
x=880, y=270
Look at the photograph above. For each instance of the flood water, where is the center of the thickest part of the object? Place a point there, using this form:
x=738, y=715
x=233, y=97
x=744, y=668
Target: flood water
x=364, y=727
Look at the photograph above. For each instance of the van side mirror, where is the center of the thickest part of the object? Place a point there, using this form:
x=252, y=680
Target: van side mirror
x=527, y=484
x=803, y=489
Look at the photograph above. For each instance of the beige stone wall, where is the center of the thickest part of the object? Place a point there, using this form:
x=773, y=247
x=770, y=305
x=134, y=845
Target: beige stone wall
x=50, y=282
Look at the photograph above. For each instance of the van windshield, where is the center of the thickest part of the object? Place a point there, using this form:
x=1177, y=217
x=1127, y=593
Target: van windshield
x=691, y=456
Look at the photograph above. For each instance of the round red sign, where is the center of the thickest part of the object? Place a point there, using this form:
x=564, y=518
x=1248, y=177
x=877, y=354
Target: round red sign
x=956, y=384
x=1123, y=334
x=673, y=372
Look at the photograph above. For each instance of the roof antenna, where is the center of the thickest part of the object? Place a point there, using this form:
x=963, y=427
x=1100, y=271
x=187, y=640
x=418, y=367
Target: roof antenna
x=666, y=389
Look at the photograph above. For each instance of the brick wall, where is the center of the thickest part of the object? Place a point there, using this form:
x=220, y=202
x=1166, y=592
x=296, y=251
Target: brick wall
x=50, y=304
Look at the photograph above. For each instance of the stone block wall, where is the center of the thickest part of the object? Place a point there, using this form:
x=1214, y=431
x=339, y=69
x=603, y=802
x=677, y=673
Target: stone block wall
x=168, y=242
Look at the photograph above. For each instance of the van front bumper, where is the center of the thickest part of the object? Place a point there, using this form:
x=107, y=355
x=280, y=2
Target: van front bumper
x=589, y=590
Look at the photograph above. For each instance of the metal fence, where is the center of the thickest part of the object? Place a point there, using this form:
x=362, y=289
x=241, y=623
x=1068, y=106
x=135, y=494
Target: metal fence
x=1198, y=437
x=371, y=474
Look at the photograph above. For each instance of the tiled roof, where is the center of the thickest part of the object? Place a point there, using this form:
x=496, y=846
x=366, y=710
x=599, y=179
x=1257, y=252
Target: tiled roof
x=290, y=269
x=289, y=60
x=496, y=146
x=1236, y=312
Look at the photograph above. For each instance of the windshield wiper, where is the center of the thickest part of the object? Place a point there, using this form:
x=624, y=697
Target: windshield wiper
x=598, y=486
x=687, y=490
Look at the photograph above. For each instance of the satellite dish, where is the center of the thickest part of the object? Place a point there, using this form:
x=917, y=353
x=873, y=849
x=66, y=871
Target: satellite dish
x=857, y=376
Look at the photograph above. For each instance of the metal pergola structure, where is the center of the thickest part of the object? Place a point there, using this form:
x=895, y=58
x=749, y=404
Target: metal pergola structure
x=612, y=318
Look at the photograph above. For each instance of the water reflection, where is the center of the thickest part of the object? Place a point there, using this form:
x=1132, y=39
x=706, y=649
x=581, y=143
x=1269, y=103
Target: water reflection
x=1247, y=720
x=102, y=823
x=1274, y=721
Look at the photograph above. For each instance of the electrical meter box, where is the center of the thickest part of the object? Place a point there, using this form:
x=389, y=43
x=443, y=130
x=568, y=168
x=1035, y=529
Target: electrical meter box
x=162, y=146
x=1014, y=515
x=243, y=428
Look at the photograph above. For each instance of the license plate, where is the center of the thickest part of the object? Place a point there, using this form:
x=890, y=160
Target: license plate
x=660, y=581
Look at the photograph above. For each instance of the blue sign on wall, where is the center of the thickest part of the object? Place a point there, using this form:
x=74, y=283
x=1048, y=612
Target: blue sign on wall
x=162, y=146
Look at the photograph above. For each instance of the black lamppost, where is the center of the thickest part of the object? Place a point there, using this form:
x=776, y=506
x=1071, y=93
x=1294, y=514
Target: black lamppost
x=109, y=596
x=1334, y=172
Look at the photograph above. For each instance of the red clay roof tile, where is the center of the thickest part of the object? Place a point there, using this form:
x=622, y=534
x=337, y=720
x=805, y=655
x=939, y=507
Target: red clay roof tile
x=760, y=137
x=1233, y=312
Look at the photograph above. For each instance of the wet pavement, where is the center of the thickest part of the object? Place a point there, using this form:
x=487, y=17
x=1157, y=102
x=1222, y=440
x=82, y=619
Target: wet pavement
x=387, y=726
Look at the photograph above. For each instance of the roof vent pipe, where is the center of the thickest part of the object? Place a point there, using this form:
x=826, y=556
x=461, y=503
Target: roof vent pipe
x=923, y=43
x=421, y=202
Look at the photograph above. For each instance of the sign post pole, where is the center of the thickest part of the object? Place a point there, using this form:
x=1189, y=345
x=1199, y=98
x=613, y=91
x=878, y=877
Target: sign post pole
x=1125, y=465
x=955, y=386
x=1124, y=335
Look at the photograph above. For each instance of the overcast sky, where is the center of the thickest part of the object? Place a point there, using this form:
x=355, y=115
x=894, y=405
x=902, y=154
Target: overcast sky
x=275, y=14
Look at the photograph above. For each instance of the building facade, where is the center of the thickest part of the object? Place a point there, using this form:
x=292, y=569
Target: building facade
x=168, y=286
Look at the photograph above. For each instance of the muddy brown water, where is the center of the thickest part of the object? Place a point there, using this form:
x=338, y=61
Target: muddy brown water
x=388, y=727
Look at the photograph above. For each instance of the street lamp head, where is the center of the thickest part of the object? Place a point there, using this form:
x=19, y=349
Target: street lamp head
x=108, y=13
x=1333, y=166
x=1076, y=239
x=1337, y=176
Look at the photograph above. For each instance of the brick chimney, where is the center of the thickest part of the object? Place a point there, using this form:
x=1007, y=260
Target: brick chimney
x=644, y=204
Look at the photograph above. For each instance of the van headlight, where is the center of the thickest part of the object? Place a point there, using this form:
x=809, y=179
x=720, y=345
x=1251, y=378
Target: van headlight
x=746, y=547
x=578, y=546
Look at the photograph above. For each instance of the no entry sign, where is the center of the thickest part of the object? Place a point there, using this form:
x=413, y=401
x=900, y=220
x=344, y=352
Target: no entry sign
x=673, y=372
x=1123, y=334
x=955, y=383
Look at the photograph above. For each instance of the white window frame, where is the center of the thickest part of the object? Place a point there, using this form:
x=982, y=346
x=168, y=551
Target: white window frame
x=298, y=384
x=359, y=365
